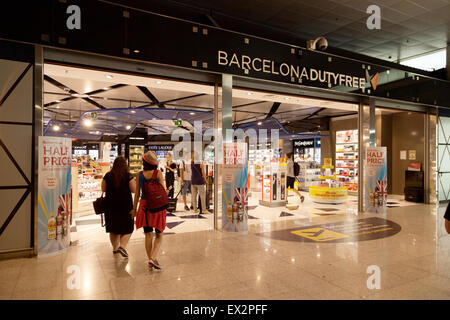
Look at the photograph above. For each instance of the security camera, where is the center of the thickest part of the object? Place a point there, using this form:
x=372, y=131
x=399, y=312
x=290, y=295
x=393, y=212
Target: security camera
x=321, y=43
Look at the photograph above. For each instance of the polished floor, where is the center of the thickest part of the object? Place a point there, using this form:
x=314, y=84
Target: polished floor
x=414, y=264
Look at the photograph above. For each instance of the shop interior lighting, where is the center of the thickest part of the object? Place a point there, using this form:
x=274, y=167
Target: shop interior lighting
x=109, y=76
x=158, y=82
x=128, y=127
x=249, y=93
x=56, y=128
x=77, y=95
x=57, y=107
x=97, y=132
x=191, y=113
x=88, y=122
x=132, y=111
x=259, y=123
x=105, y=88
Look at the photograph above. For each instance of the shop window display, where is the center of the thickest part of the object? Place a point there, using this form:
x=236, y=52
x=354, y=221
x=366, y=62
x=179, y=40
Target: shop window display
x=89, y=179
x=347, y=159
x=328, y=189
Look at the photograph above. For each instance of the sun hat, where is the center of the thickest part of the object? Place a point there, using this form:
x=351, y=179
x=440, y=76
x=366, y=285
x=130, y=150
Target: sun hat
x=150, y=158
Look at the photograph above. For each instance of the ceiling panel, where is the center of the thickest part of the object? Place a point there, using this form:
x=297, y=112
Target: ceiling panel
x=128, y=92
x=81, y=85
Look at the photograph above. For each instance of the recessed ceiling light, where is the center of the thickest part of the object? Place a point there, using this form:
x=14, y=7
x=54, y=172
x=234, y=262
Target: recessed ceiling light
x=191, y=113
x=249, y=93
x=88, y=122
x=97, y=132
x=259, y=123
x=109, y=76
x=56, y=128
x=58, y=101
x=286, y=98
x=128, y=127
x=132, y=111
x=57, y=107
x=158, y=82
x=136, y=51
x=105, y=88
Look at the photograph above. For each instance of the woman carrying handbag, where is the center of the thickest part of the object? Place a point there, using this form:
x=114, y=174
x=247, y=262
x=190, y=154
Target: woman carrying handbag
x=118, y=184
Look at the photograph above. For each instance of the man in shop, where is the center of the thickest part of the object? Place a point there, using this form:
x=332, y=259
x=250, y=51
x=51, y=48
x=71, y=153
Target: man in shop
x=292, y=172
x=186, y=176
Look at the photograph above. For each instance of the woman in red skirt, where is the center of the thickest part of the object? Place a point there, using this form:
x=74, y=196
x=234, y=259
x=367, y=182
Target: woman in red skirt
x=144, y=218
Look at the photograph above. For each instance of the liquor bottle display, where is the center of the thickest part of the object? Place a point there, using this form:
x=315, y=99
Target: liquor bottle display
x=51, y=228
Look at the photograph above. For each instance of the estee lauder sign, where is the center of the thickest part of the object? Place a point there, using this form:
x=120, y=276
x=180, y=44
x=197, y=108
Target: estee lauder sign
x=296, y=72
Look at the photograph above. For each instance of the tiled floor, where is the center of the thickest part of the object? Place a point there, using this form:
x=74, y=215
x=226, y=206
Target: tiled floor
x=414, y=264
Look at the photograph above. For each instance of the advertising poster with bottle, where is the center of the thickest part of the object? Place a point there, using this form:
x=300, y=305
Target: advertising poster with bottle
x=235, y=187
x=54, y=194
x=376, y=179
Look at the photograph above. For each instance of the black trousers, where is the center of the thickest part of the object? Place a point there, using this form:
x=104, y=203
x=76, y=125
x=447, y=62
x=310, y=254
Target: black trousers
x=170, y=186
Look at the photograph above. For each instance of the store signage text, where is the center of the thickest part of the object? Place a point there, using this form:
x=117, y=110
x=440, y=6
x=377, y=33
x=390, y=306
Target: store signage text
x=161, y=147
x=245, y=62
x=375, y=157
x=304, y=143
x=56, y=155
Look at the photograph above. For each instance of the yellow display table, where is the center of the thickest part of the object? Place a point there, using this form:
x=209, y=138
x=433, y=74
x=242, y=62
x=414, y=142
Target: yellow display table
x=328, y=194
x=328, y=191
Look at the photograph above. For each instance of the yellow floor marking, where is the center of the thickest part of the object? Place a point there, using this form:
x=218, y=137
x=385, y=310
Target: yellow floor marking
x=319, y=234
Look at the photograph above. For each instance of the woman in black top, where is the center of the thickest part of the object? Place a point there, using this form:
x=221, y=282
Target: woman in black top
x=118, y=185
x=170, y=175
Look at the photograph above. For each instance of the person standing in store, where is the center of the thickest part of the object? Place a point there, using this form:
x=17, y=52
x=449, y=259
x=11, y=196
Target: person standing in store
x=170, y=174
x=144, y=218
x=291, y=174
x=198, y=183
x=186, y=175
x=118, y=184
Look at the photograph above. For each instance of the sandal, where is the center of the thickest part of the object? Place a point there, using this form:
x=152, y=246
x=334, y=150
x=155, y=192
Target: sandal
x=123, y=252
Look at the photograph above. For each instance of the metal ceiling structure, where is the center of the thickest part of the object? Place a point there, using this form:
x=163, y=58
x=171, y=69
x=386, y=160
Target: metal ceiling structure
x=408, y=27
x=69, y=100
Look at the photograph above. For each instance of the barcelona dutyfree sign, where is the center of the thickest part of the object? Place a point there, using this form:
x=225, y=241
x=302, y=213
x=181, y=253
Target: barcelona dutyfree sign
x=139, y=35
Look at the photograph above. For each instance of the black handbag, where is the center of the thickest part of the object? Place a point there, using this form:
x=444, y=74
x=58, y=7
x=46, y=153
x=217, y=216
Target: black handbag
x=99, y=205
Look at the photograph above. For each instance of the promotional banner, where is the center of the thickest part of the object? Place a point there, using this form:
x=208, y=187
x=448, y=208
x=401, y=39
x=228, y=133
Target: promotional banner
x=235, y=187
x=54, y=194
x=376, y=179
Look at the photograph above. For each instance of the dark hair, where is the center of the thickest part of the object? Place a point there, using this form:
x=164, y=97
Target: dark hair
x=119, y=170
x=147, y=166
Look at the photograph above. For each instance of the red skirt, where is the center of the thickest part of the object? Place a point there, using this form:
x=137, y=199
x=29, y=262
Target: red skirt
x=145, y=218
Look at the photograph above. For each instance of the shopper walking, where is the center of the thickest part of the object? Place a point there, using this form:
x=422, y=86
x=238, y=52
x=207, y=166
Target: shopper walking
x=291, y=174
x=144, y=217
x=198, y=183
x=118, y=185
x=186, y=175
x=170, y=175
